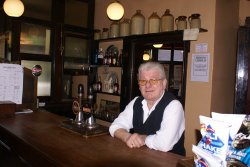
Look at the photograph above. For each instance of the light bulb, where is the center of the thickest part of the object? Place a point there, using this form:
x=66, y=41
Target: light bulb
x=115, y=11
x=13, y=8
x=146, y=57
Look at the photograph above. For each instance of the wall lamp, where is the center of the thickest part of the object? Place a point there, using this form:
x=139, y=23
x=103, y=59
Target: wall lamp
x=115, y=10
x=13, y=8
x=147, y=55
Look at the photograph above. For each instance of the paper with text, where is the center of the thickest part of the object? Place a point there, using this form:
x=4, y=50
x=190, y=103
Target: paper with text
x=11, y=82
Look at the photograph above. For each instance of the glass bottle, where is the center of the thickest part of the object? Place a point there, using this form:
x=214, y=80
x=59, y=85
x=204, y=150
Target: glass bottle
x=116, y=87
x=114, y=29
x=119, y=58
x=137, y=23
x=99, y=85
x=96, y=56
x=100, y=57
x=167, y=21
x=110, y=58
x=114, y=58
x=90, y=95
x=125, y=27
x=154, y=23
x=105, y=59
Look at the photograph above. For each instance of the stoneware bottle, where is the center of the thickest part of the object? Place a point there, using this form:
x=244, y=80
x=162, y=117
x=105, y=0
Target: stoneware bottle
x=154, y=23
x=105, y=33
x=181, y=22
x=125, y=27
x=137, y=23
x=97, y=34
x=167, y=21
x=194, y=21
x=114, y=29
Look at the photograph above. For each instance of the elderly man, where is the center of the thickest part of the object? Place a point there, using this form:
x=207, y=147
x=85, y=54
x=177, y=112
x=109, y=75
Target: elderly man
x=155, y=119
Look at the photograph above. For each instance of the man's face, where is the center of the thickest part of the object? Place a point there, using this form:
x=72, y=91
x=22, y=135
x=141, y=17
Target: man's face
x=152, y=90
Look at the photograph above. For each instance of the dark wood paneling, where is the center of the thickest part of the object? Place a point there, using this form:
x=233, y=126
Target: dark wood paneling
x=40, y=140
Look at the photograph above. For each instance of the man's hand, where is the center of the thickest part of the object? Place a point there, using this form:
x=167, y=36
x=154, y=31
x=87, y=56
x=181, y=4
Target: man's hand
x=136, y=140
x=132, y=140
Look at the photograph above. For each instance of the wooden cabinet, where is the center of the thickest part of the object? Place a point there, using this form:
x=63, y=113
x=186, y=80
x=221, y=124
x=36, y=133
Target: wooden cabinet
x=109, y=72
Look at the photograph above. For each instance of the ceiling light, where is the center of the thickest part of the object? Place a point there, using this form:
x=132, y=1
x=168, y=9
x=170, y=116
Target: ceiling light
x=115, y=10
x=159, y=45
x=13, y=8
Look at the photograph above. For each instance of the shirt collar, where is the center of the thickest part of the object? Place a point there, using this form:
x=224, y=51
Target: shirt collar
x=144, y=102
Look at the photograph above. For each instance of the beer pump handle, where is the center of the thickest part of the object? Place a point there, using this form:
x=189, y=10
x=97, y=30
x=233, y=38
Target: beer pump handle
x=80, y=90
x=80, y=94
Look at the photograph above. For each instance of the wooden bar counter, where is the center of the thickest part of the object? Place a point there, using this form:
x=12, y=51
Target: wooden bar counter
x=40, y=140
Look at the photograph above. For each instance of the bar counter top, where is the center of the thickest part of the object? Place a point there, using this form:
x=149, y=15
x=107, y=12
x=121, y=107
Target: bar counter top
x=40, y=140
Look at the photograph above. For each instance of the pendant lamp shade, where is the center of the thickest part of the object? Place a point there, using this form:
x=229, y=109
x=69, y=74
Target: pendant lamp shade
x=13, y=8
x=158, y=45
x=115, y=10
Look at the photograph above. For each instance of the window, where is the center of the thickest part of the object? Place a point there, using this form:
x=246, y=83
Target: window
x=34, y=39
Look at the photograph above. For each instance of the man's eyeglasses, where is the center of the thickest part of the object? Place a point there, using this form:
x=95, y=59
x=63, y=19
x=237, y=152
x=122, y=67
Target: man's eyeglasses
x=151, y=81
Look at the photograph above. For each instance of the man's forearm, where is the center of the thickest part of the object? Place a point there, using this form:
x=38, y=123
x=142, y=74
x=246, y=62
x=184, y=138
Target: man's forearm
x=122, y=134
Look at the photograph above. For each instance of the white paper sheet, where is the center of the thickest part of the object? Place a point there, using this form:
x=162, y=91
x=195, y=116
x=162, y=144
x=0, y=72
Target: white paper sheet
x=191, y=34
x=11, y=83
x=200, y=67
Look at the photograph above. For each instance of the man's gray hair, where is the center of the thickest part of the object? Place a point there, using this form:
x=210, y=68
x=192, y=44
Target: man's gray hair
x=152, y=65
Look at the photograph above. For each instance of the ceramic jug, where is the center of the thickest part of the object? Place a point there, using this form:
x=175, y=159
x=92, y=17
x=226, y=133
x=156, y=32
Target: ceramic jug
x=181, y=22
x=194, y=21
x=137, y=23
x=167, y=21
x=154, y=23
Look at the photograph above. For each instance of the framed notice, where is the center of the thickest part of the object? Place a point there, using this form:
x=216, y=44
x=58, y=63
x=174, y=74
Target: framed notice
x=200, y=67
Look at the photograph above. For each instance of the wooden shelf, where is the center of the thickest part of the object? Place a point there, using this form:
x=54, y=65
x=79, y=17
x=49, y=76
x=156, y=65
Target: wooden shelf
x=169, y=32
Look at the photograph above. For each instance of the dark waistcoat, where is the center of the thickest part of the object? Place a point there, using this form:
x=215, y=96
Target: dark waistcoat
x=153, y=123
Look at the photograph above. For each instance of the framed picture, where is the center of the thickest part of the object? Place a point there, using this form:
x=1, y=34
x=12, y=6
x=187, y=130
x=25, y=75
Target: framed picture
x=108, y=106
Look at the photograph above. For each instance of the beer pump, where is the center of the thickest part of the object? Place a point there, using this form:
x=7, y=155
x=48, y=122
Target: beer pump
x=77, y=106
x=88, y=109
x=84, y=122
